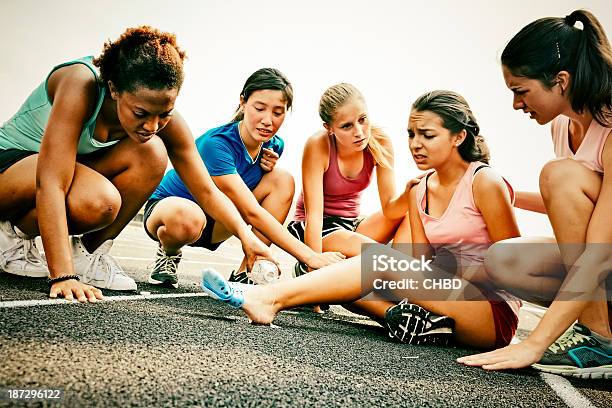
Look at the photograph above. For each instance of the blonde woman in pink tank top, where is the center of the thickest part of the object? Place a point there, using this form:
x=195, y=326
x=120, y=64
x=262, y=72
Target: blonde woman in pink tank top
x=459, y=209
x=338, y=163
x=562, y=74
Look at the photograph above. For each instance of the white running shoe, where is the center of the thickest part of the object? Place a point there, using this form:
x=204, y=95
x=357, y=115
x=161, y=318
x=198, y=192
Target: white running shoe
x=19, y=255
x=99, y=269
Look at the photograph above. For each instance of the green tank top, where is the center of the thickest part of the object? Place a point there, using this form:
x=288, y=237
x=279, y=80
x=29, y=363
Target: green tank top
x=24, y=131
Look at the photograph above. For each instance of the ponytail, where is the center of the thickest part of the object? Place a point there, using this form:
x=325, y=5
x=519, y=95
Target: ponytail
x=592, y=82
x=549, y=45
x=376, y=146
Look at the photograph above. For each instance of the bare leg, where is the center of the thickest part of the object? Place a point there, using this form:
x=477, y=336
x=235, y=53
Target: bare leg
x=530, y=268
x=135, y=169
x=344, y=283
x=570, y=192
x=93, y=202
x=176, y=222
x=275, y=194
x=375, y=228
x=378, y=227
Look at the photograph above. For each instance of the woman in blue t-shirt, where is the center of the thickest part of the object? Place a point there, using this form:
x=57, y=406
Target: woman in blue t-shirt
x=240, y=156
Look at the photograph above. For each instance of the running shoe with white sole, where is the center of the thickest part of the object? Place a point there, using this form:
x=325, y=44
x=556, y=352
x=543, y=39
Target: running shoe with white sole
x=99, y=269
x=165, y=269
x=19, y=254
x=411, y=324
x=578, y=353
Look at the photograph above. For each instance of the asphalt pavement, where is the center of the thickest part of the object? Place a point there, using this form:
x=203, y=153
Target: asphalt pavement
x=152, y=349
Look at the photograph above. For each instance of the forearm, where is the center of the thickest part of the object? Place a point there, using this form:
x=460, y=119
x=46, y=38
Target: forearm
x=312, y=234
x=397, y=207
x=580, y=286
x=559, y=316
x=221, y=208
x=275, y=232
x=53, y=226
x=530, y=201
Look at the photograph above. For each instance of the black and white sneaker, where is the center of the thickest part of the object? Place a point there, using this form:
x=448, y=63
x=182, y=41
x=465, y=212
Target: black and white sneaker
x=240, y=277
x=299, y=269
x=411, y=324
x=165, y=270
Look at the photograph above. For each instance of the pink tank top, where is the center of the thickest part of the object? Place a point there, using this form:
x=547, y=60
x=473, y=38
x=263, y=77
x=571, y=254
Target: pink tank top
x=461, y=229
x=341, y=195
x=589, y=151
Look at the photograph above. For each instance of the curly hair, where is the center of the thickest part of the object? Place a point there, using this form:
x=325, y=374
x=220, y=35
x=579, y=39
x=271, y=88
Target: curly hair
x=142, y=57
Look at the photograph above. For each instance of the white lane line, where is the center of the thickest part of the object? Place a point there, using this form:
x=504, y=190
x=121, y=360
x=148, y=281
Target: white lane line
x=564, y=389
x=10, y=304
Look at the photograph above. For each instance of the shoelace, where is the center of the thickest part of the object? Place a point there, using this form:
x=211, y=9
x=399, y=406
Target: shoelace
x=101, y=259
x=569, y=339
x=167, y=263
x=29, y=252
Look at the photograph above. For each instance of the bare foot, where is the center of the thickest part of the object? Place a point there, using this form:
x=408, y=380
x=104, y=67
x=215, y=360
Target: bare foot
x=259, y=304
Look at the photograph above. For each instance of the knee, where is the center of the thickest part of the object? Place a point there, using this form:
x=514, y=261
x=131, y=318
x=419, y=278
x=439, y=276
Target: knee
x=150, y=161
x=184, y=226
x=501, y=263
x=555, y=175
x=98, y=210
x=283, y=183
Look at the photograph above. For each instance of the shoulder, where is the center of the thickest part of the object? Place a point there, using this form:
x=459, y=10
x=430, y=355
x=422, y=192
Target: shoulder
x=73, y=79
x=318, y=140
x=606, y=154
x=317, y=143
x=219, y=134
x=219, y=138
x=487, y=182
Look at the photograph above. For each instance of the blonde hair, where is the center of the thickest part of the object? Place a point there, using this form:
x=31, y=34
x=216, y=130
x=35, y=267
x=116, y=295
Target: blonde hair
x=337, y=96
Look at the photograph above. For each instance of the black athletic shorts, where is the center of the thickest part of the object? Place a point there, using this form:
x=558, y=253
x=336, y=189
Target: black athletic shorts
x=205, y=239
x=331, y=223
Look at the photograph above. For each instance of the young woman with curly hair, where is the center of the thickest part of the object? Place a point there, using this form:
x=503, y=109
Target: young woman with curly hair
x=85, y=151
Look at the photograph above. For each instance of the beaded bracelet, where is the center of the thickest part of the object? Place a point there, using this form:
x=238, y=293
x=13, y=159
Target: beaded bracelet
x=51, y=281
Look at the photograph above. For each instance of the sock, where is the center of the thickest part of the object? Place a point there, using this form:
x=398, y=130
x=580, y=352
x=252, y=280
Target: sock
x=606, y=341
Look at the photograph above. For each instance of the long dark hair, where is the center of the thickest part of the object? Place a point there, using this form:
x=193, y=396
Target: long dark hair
x=549, y=45
x=456, y=116
x=262, y=79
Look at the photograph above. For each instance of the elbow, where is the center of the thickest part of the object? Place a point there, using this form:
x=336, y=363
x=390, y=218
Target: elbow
x=393, y=213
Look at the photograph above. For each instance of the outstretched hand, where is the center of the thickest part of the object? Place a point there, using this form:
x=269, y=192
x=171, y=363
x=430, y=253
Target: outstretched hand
x=513, y=356
x=72, y=288
x=413, y=182
x=254, y=249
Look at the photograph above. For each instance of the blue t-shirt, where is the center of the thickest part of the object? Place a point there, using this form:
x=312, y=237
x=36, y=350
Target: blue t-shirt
x=223, y=153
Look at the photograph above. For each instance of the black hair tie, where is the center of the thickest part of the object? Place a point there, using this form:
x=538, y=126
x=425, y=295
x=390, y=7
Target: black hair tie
x=570, y=20
x=51, y=281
